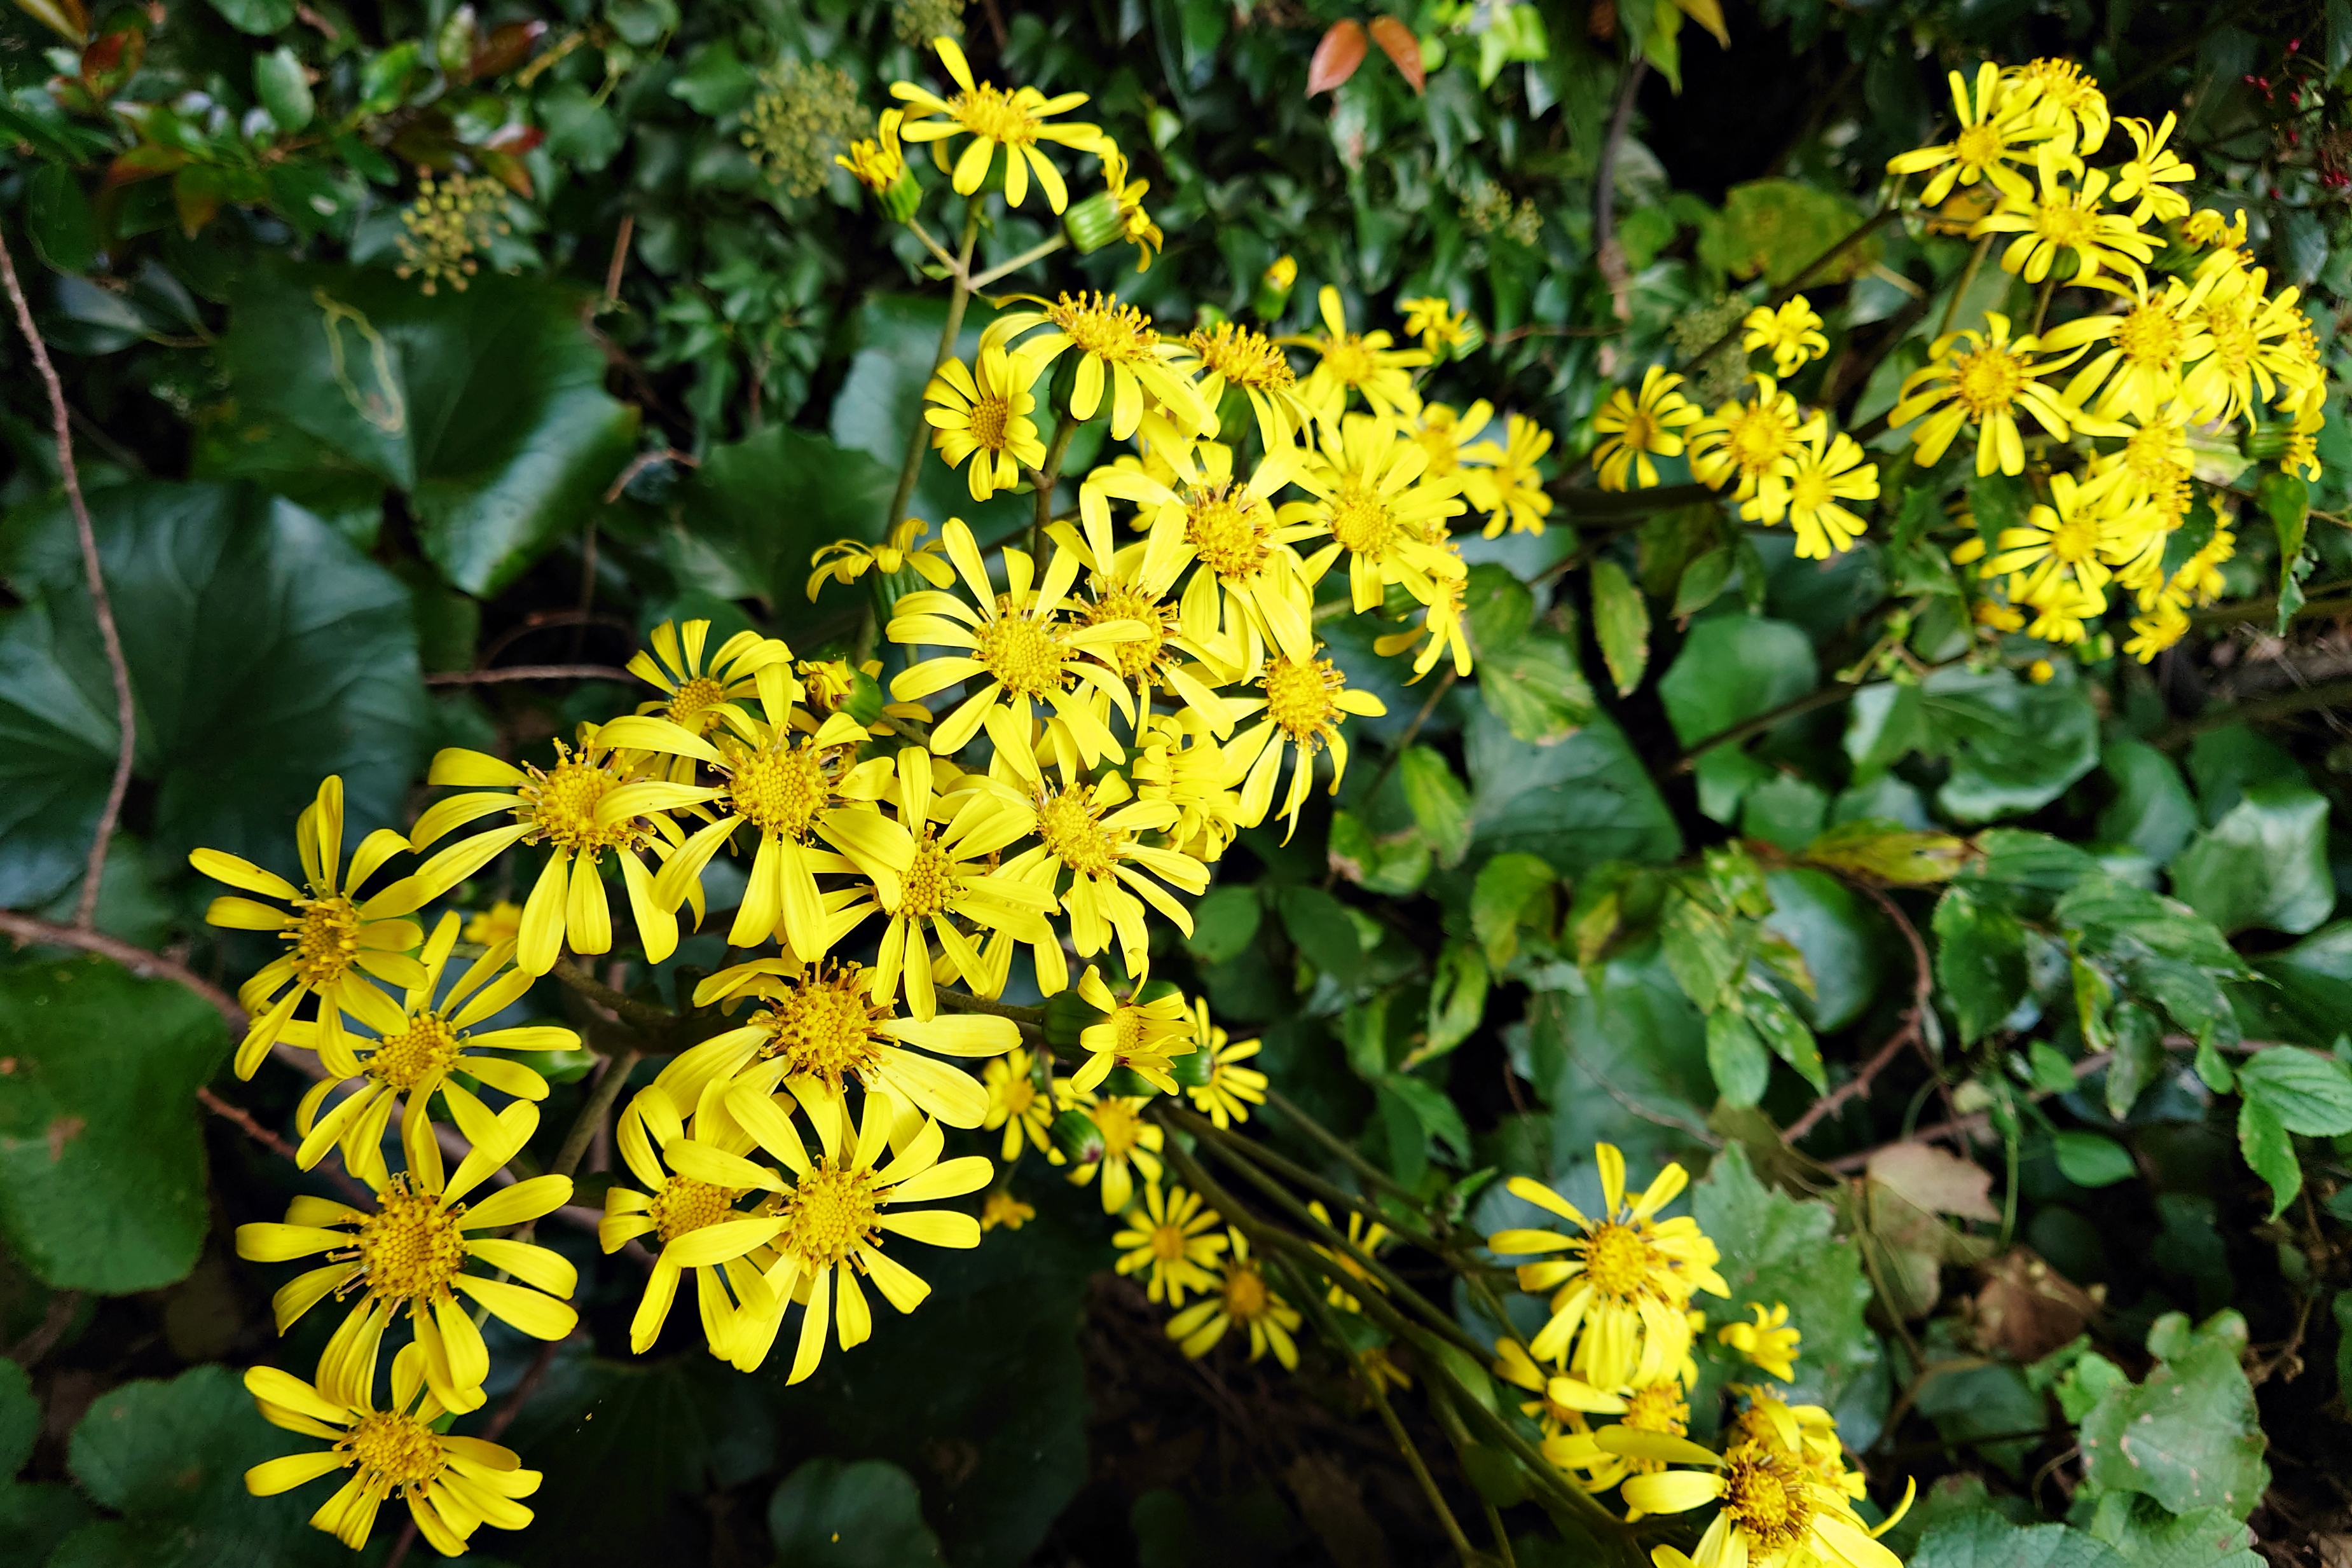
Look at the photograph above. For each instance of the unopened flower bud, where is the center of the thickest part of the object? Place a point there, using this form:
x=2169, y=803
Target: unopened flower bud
x=1076, y=1138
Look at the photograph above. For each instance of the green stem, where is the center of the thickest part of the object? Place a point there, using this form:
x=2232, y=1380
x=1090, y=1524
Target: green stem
x=1043, y=480
x=1206, y=1132
x=1967, y=277
x=1035, y=253
x=918, y=438
x=1337, y=1147
x=601, y=1101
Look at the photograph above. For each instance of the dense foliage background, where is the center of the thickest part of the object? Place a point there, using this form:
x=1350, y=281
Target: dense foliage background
x=2105, y=1284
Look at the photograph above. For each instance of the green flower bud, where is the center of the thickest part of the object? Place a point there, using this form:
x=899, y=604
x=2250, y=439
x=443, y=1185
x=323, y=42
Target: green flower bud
x=1094, y=223
x=905, y=195
x=1068, y=1015
x=1192, y=1070
x=1076, y=1138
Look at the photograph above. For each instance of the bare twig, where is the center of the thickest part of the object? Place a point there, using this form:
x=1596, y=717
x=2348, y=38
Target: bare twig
x=101, y=606
x=1837, y=691
x=1608, y=254
x=25, y=928
x=28, y=1352
x=640, y=463
x=1854, y=1087
x=2286, y=704
x=620, y=261
x=242, y=1119
x=526, y=672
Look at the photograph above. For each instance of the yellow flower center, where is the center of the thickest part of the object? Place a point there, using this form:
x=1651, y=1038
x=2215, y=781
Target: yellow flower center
x=685, y=1205
x=1104, y=329
x=2234, y=341
x=1810, y=490
x=1348, y=361
x=2075, y=540
x=326, y=939
x=1167, y=1242
x=1977, y=146
x=1120, y=1126
x=418, y=1054
x=1227, y=530
x=399, y=1451
x=2064, y=224
x=692, y=707
x=411, y=1247
x=1620, y=1261
x=1019, y=1095
x=830, y=1215
x=1362, y=521
x=1987, y=380
x=1243, y=357
x=930, y=885
x=1245, y=1295
x=1759, y=435
x=779, y=788
x=991, y=423
x=823, y=1027
x=991, y=113
x=2150, y=336
x=1642, y=431
x=1659, y=1408
x=1764, y=1494
x=1021, y=652
x=560, y=806
x=1298, y=697
x=1120, y=601
x=1072, y=831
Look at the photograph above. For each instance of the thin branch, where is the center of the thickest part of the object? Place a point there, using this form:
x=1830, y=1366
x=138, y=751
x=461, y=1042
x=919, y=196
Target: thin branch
x=2284, y=705
x=1277, y=1101
x=1608, y=254
x=644, y=460
x=1035, y=253
x=656, y=1021
x=28, y=1352
x=526, y=672
x=1853, y=1088
x=27, y=929
x=1804, y=275
x=607, y=1091
x=242, y=1119
x=125, y=715
x=1836, y=691
x=620, y=261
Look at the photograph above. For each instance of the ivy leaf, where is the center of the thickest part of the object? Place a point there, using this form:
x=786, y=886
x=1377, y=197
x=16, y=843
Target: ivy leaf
x=2014, y=746
x=1979, y=961
x=2148, y=1537
x=827, y=1514
x=1732, y=669
x=1576, y=804
x=2188, y=1436
x=768, y=503
x=2152, y=811
x=1621, y=622
x=1988, y=1541
x=1742, y=1065
x=101, y=1164
x=2307, y=1093
x=2264, y=863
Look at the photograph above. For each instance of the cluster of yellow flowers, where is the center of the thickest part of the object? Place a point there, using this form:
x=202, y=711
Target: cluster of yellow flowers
x=2192, y=341
x=1612, y=1369
x=452, y=220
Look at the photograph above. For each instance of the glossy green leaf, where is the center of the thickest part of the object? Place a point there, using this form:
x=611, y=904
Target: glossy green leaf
x=284, y=90
x=1988, y=1541
x=769, y=502
x=1225, y=923
x=1438, y=802
x=2148, y=1536
x=2152, y=811
x=2092, y=1159
x=1535, y=687
x=827, y=1514
x=1737, y=1058
x=1574, y=804
x=1732, y=669
x=2264, y=863
x=1846, y=942
x=256, y=17
x=2014, y=747
x=2188, y=1435
x=1777, y=1024
x=1621, y=622
x=1320, y=928
x=1980, y=963
x=58, y=219
x=2309, y=1094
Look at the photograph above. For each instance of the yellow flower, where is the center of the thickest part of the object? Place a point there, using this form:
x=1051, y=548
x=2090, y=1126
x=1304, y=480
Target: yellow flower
x=1094, y=833
x=1376, y=500
x=1282, y=273
x=1367, y=1241
x=2257, y=341
x=2200, y=578
x=1231, y=1088
x=820, y=1030
x=1021, y=648
x=1635, y=428
x=1750, y=441
x=1128, y=195
x=1771, y=1510
x=1510, y=488
x=2041, y=672
x=1169, y=1235
x=1131, y=1148
x=1434, y=319
x=878, y=164
x=453, y=1485
x=2060, y=97
x=1243, y=1301
x=1993, y=131
x=927, y=873
x=2208, y=227
x=410, y=1254
x=1618, y=1311
x=695, y=692
x=1824, y=470
x=416, y=1046
x=503, y=922
x=1304, y=702
x=982, y=414
x=1015, y=122
x=335, y=938
x=1142, y=1037
x=1655, y=1407
x=2150, y=343
x=2061, y=608
x=846, y=561
x=1359, y=362
x=1016, y=1104
x=1445, y=434
x=1768, y=1343
x=1984, y=379
x=833, y=1219
x=1003, y=1208
x=1793, y=333
x=1227, y=355
x=2146, y=177
x=1117, y=346
x=2165, y=624
x=2074, y=535
x=1176, y=759
x=1133, y=584
x=2060, y=219
x=1443, y=623
x=1561, y=1402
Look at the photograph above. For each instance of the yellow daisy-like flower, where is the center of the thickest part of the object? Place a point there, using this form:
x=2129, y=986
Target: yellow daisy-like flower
x=982, y=414
x=2062, y=609
x=1244, y=1300
x=1445, y=629
x=1743, y=444
x=695, y=691
x=2150, y=343
x=1018, y=1104
x=1142, y=1037
x=1130, y=1150
x=1361, y=363
x=2154, y=168
x=1635, y=428
x=1093, y=834
x=1016, y=121
x=335, y=938
x=1447, y=435
x=1621, y=1301
x=1771, y=1510
x=1657, y=1407
x=452, y=1485
x=880, y=162
x=1229, y=355
x=1128, y=195
x=410, y=1254
x=1376, y=498
x=561, y=807
x=1231, y=1088
x=1560, y=1401
x=1001, y=1208
x=846, y=561
x=2073, y=536
x=1364, y=1239
x=503, y=922
x=2208, y=227
x=817, y=1032
x=1304, y=702
x=418, y=1043
x=1174, y=1237
x=1822, y=471
x=1768, y=1343
x=2258, y=341
x=1985, y=379
x=835, y=1218
x=1793, y=333
x=2062, y=97
x=1993, y=130
x=1510, y=488
x=1020, y=650
x=2165, y=624
x=925, y=873
x=1135, y=584
x=1118, y=350
x=1177, y=759
x=2059, y=218
x=1434, y=319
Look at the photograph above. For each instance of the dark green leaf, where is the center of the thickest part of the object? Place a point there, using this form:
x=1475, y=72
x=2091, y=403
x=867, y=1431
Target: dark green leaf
x=2287, y=499
x=1586, y=800
x=20, y=1418
x=1620, y=621
x=1988, y=1541
x=1702, y=581
x=2152, y=811
x=2149, y=1537
x=2263, y=1139
x=1979, y=961
x=2014, y=746
x=2309, y=1094
x=1622, y=1035
x=256, y=17
x=1320, y=928
x=1844, y=941
x=2188, y=1436
x=768, y=503
x=1732, y=669
x=57, y=217
x=1438, y=801
x=104, y=1167
x=1225, y=923
x=284, y=90
x=827, y=1514
x=1784, y=811
x=1435, y=1114
x=2124, y=921
x=1499, y=899
x=2314, y=981
x=1497, y=609
x=1737, y=1058
x=2091, y=1159
x=1392, y=863
x=1535, y=685
x=2264, y=863
x=2223, y=762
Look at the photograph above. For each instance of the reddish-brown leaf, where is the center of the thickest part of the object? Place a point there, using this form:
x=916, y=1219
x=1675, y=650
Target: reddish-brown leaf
x=1397, y=42
x=506, y=47
x=1336, y=57
x=144, y=161
x=66, y=18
